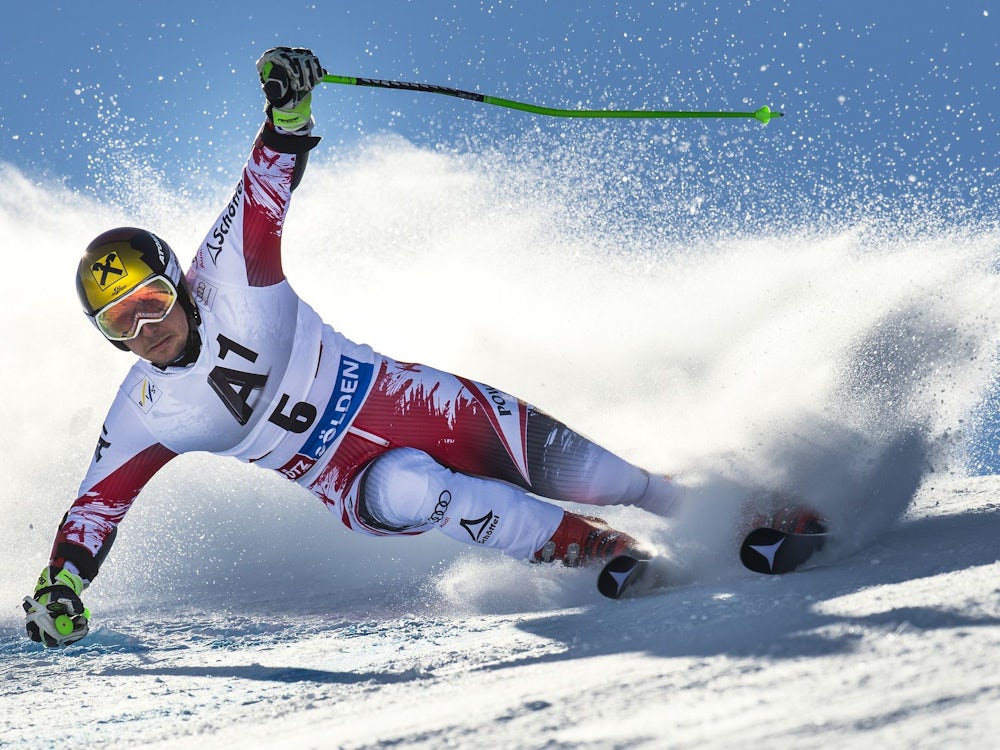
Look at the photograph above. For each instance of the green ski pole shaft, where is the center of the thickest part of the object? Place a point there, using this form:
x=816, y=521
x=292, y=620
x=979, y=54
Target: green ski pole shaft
x=764, y=114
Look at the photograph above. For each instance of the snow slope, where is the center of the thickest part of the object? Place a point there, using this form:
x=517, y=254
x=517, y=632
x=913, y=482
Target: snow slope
x=889, y=648
x=845, y=364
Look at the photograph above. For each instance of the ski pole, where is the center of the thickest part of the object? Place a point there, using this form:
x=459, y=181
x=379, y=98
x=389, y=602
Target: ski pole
x=764, y=114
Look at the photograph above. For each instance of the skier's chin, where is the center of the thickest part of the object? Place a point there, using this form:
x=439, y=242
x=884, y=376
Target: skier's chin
x=165, y=351
x=160, y=351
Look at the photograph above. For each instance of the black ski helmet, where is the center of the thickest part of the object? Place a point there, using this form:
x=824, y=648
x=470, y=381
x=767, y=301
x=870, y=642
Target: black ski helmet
x=119, y=260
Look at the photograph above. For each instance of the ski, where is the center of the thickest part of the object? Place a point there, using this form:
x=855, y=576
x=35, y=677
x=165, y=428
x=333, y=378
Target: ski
x=773, y=552
x=625, y=576
x=764, y=550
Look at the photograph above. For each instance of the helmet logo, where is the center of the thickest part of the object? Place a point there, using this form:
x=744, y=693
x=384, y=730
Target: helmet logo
x=108, y=270
x=159, y=248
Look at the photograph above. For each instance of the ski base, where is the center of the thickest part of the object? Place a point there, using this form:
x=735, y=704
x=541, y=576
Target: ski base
x=625, y=577
x=774, y=552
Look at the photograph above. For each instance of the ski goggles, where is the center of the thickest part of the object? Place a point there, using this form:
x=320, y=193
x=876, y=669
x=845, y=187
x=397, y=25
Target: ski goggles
x=150, y=302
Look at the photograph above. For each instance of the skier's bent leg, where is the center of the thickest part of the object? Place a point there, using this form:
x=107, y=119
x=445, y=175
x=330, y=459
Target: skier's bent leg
x=567, y=466
x=407, y=490
x=620, y=483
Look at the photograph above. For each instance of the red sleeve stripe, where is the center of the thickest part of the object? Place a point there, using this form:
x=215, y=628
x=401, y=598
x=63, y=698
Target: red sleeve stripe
x=99, y=510
x=267, y=195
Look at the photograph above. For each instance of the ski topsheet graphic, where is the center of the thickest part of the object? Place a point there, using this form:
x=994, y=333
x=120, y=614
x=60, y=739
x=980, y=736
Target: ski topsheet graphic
x=764, y=550
x=773, y=552
x=627, y=576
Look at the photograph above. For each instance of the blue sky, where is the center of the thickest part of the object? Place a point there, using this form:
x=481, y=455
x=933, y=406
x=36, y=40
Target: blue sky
x=887, y=101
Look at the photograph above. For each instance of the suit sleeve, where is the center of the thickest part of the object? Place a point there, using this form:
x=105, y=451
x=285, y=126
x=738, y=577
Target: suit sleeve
x=244, y=245
x=125, y=459
x=243, y=249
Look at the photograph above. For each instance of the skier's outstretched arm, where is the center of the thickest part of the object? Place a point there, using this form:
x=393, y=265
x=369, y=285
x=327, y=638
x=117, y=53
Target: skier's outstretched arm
x=122, y=465
x=244, y=244
x=118, y=471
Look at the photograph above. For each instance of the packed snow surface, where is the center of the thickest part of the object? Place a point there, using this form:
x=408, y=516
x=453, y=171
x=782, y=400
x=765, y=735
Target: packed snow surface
x=888, y=648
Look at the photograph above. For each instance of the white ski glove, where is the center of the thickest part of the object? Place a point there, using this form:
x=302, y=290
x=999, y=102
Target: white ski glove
x=55, y=614
x=287, y=76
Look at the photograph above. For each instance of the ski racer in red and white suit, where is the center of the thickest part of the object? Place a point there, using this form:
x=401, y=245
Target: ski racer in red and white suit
x=390, y=447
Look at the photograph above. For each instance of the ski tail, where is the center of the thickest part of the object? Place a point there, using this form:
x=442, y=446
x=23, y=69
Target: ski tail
x=773, y=552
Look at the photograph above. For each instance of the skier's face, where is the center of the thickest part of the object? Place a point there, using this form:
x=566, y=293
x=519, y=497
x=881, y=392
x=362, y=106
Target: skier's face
x=163, y=342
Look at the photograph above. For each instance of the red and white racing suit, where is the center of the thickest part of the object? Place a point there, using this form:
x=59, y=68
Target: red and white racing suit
x=390, y=447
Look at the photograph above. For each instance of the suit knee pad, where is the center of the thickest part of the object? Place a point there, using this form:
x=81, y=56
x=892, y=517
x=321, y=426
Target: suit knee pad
x=405, y=490
x=401, y=489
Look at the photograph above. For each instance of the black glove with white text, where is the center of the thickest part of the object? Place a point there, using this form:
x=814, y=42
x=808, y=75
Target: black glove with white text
x=288, y=76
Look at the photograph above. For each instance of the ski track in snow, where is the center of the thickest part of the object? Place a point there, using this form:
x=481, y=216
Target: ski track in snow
x=885, y=648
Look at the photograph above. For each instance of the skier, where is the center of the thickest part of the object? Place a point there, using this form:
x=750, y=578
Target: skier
x=233, y=362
